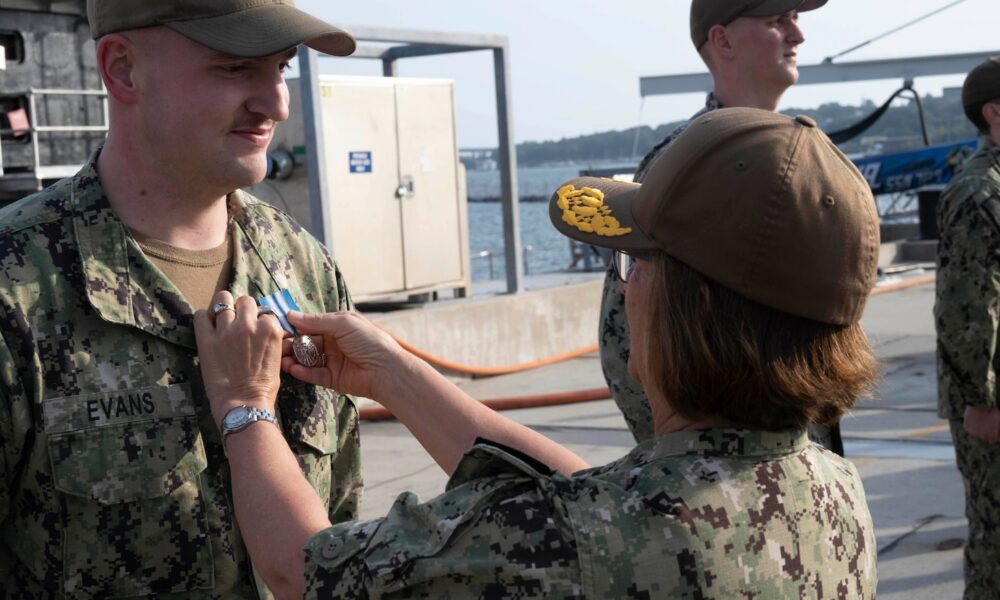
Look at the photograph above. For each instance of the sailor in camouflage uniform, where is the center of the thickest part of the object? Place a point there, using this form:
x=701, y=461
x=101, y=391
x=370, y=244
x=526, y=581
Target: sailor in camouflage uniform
x=114, y=479
x=743, y=43
x=730, y=499
x=967, y=320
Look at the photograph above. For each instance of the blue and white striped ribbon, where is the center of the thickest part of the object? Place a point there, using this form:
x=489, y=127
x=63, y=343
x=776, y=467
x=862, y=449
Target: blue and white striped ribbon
x=281, y=302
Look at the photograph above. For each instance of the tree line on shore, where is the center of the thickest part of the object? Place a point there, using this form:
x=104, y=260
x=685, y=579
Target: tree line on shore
x=898, y=130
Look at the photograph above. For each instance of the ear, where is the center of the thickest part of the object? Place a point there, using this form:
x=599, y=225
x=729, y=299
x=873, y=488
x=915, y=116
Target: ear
x=719, y=43
x=116, y=61
x=991, y=113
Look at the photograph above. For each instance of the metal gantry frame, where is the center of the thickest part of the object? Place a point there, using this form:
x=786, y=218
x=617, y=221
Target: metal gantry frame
x=408, y=44
x=906, y=69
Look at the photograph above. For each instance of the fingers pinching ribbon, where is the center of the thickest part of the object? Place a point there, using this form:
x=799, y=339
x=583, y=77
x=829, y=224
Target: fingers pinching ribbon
x=303, y=347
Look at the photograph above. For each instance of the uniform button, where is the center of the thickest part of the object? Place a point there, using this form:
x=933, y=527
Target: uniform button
x=807, y=121
x=332, y=548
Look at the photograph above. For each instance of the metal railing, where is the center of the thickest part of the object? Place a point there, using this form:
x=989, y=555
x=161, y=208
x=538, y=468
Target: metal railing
x=41, y=171
x=488, y=255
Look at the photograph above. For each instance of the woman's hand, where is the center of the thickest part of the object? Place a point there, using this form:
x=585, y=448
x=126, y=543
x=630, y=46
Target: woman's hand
x=361, y=359
x=240, y=355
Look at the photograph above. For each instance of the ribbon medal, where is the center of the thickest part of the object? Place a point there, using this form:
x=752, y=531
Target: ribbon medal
x=303, y=346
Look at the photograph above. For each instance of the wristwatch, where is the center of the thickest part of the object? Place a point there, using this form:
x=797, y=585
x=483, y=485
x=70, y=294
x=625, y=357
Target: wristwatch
x=237, y=419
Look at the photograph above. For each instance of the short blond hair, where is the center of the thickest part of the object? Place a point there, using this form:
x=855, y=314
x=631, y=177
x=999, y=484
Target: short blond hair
x=711, y=352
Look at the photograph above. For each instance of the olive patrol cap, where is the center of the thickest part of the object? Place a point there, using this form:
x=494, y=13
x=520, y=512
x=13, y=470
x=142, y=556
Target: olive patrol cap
x=982, y=85
x=762, y=203
x=245, y=28
x=706, y=14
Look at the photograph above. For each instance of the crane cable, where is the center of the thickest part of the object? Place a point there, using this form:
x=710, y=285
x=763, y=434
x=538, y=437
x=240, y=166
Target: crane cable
x=830, y=59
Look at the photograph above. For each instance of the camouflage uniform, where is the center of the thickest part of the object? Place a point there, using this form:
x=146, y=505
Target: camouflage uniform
x=114, y=481
x=613, y=335
x=694, y=514
x=967, y=316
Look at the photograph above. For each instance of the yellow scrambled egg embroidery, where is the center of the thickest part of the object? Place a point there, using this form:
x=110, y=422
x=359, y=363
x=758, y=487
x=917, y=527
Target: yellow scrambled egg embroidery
x=585, y=210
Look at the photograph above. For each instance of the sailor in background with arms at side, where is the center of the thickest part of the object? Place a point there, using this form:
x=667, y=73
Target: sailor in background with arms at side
x=967, y=319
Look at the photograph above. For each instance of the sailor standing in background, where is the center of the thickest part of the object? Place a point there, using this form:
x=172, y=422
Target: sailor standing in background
x=750, y=47
x=967, y=316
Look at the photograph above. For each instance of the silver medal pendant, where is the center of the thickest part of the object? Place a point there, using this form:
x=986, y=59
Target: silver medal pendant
x=306, y=352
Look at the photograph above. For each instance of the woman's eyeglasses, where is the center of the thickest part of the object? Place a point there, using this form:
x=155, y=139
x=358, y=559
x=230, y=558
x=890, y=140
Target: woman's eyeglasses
x=623, y=263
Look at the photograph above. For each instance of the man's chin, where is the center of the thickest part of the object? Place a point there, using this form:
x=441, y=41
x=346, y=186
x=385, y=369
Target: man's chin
x=792, y=72
x=249, y=171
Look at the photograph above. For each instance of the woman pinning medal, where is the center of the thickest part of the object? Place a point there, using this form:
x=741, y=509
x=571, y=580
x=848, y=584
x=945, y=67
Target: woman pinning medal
x=746, y=257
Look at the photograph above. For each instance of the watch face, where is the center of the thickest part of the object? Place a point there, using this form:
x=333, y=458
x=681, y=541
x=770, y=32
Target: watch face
x=235, y=418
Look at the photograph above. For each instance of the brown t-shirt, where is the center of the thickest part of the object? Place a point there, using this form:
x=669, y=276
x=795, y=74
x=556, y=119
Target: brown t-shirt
x=198, y=274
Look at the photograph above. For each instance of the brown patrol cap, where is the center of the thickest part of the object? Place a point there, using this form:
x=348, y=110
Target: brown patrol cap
x=982, y=85
x=245, y=28
x=706, y=14
x=762, y=203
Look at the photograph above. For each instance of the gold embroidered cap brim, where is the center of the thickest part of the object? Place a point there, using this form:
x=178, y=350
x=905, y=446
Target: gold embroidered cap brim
x=598, y=211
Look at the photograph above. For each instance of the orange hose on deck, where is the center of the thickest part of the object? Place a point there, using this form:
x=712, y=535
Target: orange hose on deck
x=905, y=284
x=491, y=371
x=379, y=413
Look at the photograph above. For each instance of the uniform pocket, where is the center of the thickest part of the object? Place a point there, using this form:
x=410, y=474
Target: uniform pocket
x=309, y=417
x=129, y=466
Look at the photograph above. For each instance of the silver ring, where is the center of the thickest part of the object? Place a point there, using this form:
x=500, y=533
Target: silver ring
x=265, y=310
x=221, y=306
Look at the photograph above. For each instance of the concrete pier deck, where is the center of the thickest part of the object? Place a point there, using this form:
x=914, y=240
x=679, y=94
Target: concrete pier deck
x=902, y=450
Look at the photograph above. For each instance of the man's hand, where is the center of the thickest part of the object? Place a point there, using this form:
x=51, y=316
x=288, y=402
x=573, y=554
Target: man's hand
x=983, y=423
x=240, y=354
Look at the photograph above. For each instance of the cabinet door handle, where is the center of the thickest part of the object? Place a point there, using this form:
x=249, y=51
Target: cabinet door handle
x=405, y=189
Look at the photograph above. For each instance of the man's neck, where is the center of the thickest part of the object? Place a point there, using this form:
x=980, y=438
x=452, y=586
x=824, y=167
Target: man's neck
x=159, y=204
x=993, y=138
x=741, y=95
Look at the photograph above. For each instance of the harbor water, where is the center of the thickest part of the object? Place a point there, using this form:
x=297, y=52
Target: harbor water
x=545, y=249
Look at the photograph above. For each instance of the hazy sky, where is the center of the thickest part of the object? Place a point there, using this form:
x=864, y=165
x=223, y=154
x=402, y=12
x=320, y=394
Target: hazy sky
x=576, y=63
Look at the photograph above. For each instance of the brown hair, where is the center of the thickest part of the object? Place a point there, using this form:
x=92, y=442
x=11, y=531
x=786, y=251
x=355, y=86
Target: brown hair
x=711, y=352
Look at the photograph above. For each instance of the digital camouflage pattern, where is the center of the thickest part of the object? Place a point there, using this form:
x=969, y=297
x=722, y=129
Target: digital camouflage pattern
x=977, y=462
x=966, y=316
x=967, y=307
x=695, y=514
x=614, y=339
x=114, y=482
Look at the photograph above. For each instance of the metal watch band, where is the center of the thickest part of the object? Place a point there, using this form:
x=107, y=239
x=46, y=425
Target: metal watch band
x=239, y=418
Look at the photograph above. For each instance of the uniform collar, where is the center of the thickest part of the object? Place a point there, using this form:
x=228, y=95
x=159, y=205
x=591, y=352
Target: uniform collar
x=712, y=103
x=725, y=442
x=125, y=288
